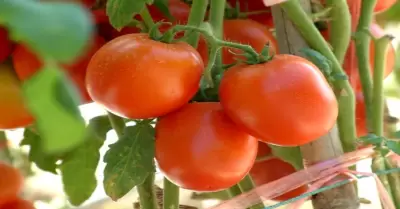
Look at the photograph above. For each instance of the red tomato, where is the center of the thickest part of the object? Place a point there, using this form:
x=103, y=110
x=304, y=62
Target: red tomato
x=89, y=3
x=18, y=204
x=136, y=77
x=13, y=112
x=285, y=101
x=270, y=170
x=255, y=5
x=199, y=148
x=11, y=182
x=382, y=5
x=361, y=115
x=5, y=45
x=26, y=64
x=178, y=9
x=245, y=32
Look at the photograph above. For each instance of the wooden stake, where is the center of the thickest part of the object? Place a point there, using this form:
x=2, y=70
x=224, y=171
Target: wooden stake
x=327, y=147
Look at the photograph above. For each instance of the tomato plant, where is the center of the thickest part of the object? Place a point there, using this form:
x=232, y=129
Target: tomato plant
x=273, y=169
x=5, y=45
x=286, y=93
x=18, y=204
x=264, y=18
x=242, y=31
x=136, y=84
x=12, y=108
x=199, y=134
x=11, y=182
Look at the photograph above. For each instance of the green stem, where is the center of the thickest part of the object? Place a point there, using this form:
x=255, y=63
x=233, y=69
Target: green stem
x=234, y=191
x=147, y=195
x=171, y=195
x=246, y=185
x=340, y=27
x=381, y=46
x=363, y=40
x=148, y=20
x=217, y=11
x=117, y=123
x=345, y=94
x=196, y=17
x=394, y=181
x=378, y=164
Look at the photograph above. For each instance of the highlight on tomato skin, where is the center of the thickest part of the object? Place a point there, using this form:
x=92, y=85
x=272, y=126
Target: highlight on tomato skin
x=286, y=101
x=273, y=169
x=242, y=31
x=131, y=82
x=13, y=111
x=5, y=44
x=199, y=148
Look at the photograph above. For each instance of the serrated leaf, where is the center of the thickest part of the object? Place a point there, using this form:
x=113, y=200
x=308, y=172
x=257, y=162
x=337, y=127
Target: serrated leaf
x=291, y=155
x=52, y=99
x=36, y=154
x=121, y=12
x=57, y=21
x=129, y=160
x=394, y=146
x=162, y=5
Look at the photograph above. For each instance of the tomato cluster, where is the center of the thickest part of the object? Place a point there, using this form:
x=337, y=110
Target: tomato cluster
x=11, y=183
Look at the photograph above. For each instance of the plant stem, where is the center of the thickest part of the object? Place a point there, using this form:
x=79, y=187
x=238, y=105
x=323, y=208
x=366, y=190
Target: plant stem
x=234, y=191
x=147, y=195
x=246, y=185
x=378, y=164
x=117, y=123
x=394, y=180
x=340, y=28
x=148, y=20
x=171, y=195
x=217, y=11
x=381, y=46
x=196, y=17
x=344, y=92
x=362, y=43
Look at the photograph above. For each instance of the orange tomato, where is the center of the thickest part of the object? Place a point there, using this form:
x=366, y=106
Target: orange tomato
x=13, y=112
x=136, y=77
x=199, y=148
x=382, y=5
x=11, y=183
x=285, y=101
x=18, y=204
x=245, y=32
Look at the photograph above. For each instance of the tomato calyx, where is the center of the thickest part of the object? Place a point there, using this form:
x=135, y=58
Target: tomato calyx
x=166, y=37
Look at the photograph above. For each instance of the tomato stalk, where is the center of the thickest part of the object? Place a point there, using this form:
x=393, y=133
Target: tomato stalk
x=340, y=27
x=394, y=179
x=234, y=191
x=362, y=42
x=196, y=17
x=345, y=95
x=171, y=195
x=217, y=11
x=148, y=20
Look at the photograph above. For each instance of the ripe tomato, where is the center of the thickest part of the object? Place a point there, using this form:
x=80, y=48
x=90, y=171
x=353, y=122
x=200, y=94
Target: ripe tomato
x=11, y=182
x=245, y=32
x=18, y=204
x=285, y=101
x=255, y=5
x=199, y=148
x=136, y=77
x=361, y=116
x=26, y=64
x=178, y=9
x=13, y=112
x=5, y=45
x=270, y=170
x=382, y=5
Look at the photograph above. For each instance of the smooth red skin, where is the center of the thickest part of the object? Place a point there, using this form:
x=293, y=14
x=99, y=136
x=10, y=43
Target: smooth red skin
x=286, y=101
x=13, y=112
x=245, y=32
x=255, y=5
x=199, y=148
x=382, y=5
x=26, y=64
x=11, y=183
x=361, y=122
x=136, y=77
x=5, y=45
x=18, y=204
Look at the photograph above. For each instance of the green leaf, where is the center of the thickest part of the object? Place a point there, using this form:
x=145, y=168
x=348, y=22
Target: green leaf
x=291, y=155
x=100, y=126
x=323, y=63
x=48, y=28
x=121, y=12
x=372, y=139
x=162, y=5
x=52, y=100
x=129, y=160
x=394, y=146
x=36, y=154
